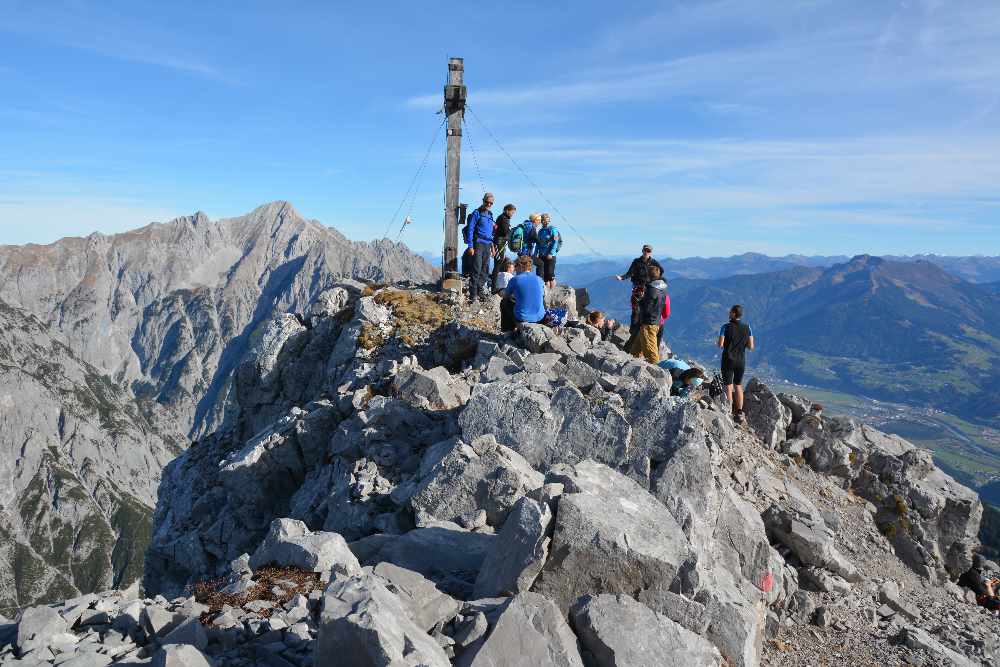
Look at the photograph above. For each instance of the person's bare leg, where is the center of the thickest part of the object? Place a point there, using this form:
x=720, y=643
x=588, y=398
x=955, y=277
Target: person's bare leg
x=729, y=393
x=739, y=398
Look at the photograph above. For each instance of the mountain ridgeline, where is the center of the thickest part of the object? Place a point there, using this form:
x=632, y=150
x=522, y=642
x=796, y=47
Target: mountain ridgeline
x=114, y=350
x=171, y=309
x=905, y=331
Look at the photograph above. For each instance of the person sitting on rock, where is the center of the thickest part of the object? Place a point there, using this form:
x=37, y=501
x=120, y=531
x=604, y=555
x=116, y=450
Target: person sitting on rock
x=504, y=276
x=982, y=584
x=644, y=342
x=735, y=338
x=525, y=300
x=684, y=377
x=597, y=320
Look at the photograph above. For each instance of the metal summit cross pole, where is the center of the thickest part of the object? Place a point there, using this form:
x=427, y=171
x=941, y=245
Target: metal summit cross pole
x=454, y=108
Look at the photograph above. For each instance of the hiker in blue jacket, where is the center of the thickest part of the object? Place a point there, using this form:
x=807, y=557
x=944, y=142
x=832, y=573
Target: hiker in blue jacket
x=529, y=236
x=549, y=242
x=480, y=242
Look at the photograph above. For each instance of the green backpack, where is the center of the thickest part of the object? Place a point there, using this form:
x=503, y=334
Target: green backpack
x=516, y=240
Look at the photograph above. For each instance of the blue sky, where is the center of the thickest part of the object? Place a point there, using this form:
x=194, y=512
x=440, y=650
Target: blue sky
x=702, y=127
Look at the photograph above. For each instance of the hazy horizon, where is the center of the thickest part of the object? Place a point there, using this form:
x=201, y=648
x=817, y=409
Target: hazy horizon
x=706, y=128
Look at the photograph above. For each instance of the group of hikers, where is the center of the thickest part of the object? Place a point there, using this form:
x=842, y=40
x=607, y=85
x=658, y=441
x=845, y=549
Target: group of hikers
x=521, y=283
x=536, y=239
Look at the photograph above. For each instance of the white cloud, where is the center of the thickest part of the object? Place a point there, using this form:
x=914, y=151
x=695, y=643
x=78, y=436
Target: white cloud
x=92, y=28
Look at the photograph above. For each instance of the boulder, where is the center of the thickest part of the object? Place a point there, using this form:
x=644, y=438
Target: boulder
x=190, y=632
x=435, y=389
x=530, y=630
x=158, y=622
x=443, y=552
x=562, y=296
x=520, y=551
x=567, y=428
x=765, y=413
x=809, y=539
x=467, y=478
x=534, y=337
x=737, y=616
x=37, y=627
x=289, y=543
x=426, y=604
x=742, y=542
x=180, y=655
x=518, y=417
x=611, y=536
x=363, y=624
x=620, y=632
x=684, y=611
x=85, y=659
x=918, y=638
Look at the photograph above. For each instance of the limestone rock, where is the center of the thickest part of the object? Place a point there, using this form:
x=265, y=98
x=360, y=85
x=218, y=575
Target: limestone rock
x=427, y=605
x=620, y=632
x=289, y=543
x=767, y=415
x=180, y=655
x=435, y=388
x=610, y=536
x=520, y=551
x=444, y=553
x=363, y=624
x=483, y=475
x=530, y=630
x=37, y=627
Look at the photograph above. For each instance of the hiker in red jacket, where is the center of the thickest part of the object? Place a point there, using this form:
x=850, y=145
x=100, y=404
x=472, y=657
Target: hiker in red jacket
x=664, y=316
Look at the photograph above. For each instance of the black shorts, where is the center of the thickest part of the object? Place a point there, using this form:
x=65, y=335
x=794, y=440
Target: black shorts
x=732, y=373
x=546, y=268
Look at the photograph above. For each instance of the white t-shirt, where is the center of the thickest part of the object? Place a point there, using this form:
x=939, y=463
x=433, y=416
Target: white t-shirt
x=503, y=278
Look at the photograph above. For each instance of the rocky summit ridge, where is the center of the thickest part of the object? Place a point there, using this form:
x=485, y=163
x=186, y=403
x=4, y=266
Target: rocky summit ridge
x=172, y=308
x=399, y=484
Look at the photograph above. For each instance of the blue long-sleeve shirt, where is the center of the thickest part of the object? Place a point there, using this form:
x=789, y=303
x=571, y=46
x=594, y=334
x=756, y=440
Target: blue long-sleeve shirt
x=480, y=228
x=549, y=241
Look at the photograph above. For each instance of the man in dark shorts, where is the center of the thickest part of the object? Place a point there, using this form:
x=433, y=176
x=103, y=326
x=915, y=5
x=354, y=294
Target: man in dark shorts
x=735, y=338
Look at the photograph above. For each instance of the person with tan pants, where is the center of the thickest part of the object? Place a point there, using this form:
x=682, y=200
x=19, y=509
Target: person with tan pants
x=645, y=342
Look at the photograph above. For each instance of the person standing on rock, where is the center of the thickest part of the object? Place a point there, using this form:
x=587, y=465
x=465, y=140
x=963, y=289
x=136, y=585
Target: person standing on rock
x=501, y=233
x=638, y=273
x=638, y=270
x=647, y=319
x=549, y=242
x=480, y=240
x=525, y=300
x=735, y=338
x=528, y=238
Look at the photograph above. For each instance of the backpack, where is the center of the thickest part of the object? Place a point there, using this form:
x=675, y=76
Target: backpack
x=516, y=240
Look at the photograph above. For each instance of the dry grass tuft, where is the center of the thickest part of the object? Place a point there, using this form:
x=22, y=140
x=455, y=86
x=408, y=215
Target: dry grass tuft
x=293, y=581
x=370, y=337
x=415, y=308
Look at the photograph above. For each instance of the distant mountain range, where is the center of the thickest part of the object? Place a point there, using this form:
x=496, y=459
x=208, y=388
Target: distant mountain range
x=575, y=269
x=905, y=331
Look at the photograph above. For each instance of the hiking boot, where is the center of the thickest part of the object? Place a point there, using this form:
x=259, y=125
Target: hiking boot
x=738, y=417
